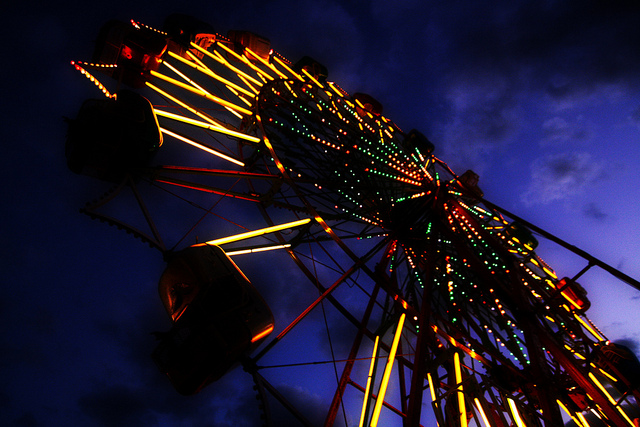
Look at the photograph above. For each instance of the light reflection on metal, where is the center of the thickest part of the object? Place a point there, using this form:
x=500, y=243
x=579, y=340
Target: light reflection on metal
x=367, y=390
x=387, y=372
x=255, y=233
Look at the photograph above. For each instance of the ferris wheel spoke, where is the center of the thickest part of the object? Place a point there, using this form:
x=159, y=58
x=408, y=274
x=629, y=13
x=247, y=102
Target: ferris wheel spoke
x=251, y=82
x=202, y=68
x=242, y=58
x=201, y=146
x=326, y=294
x=215, y=127
x=204, y=94
x=208, y=189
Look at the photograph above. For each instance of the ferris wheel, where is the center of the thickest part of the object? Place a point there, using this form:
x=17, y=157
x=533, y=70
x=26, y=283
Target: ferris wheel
x=421, y=300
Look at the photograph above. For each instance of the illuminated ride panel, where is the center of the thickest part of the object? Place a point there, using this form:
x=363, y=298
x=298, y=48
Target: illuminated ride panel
x=384, y=230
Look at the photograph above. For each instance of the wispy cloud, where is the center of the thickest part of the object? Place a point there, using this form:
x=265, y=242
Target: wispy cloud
x=560, y=176
x=558, y=131
x=592, y=211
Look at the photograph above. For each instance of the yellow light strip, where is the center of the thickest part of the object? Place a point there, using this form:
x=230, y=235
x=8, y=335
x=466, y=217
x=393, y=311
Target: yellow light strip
x=224, y=62
x=295, y=95
x=575, y=353
x=254, y=250
x=182, y=75
x=235, y=113
x=202, y=147
x=201, y=93
x=590, y=329
x=461, y=404
x=241, y=98
x=206, y=70
x=549, y=272
x=515, y=414
x=583, y=419
x=625, y=416
x=564, y=408
x=387, y=373
x=433, y=393
x=195, y=59
x=255, y=233
x=482, y=414
x=431, y=388
x=462, y=347
x=232, y=52
x=367, y=389
x=246, y=61
x=606, y=374
x=185, y=106
x=248, y=83
x=313, y=79
x=279, y=164
x=215, y=128
x=286, y=67
x=335, y=89
x=573, y=303
x=266, y=63
x=601, y=387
